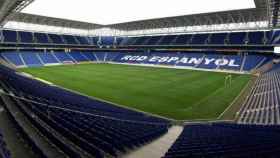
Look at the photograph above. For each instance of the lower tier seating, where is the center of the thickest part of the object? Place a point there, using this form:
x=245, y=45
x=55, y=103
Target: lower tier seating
x=225, y=140
x=203, y=60
x=262, y=106
x=97, y=128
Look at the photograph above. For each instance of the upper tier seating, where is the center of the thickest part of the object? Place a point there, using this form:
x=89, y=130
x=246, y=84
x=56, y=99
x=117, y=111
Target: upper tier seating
x=222, y=140
x=56, y=39
x=199, y=39
x=10, y=36
x=237, y=38
x=218, y=38
x=83, y=40
x=167, y=40
x=252, y=38
x=41, y=38
x=256, y=38
x=70, y=39
x=25, y=37
x=107, y=41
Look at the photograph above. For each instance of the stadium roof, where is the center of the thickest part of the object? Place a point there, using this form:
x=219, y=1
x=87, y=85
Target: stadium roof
x=107, y=12
x=264, y=15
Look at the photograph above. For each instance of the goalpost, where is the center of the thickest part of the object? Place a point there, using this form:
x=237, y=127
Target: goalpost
x=228, y=81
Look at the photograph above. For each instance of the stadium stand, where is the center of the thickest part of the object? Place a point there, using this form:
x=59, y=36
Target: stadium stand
x=25, y=37
x=110, y=129
x=83, y=40
x=78, y=57
x=253, y=38
x=48, y=58
x=226, y=140
x=64, y=57
x=10, y=36
x=56, y=122
x=70, y=39
x=56, y=39
x=204, y=60
x=41, y=38
x=14, y=58
x=90, y=56
x=31, y=59
x=262, y=104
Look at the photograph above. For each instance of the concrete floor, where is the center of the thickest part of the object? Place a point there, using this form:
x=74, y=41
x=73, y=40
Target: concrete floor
x=159, y=147
x=16, y=145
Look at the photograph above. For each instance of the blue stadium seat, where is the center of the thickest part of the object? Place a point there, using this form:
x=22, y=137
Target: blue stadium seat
x=238, y=60
x=41, y=38
x=93, y=40
x=226, y=140
x=199, y=39
x=14, y=58
x=90, y=56
x=100, y=56
x=48, y=58
x=237, y=38
x=10, y=36
x=110, y=56
x=56, y=39
x=31, y=59
x=218, y=38
x=275, y=37
x=26, y=37
x=78, y=56
x=98, y=128
x=152, y=40
x=182, y=39
x=139, y=40
x=256, y=38
x=83, y=40
x=211, y=65
x=262, y=103
x=69, y=39
x=107, y=40
x=64, y=57
x=167, y=40
x=252, y=61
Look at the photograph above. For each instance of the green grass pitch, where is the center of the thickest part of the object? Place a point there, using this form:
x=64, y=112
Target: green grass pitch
x=172, y=93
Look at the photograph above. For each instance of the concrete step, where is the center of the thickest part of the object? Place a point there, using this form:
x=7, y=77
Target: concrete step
x=159, y=147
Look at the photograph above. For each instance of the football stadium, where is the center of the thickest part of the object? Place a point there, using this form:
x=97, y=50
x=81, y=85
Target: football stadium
x=92, y=84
